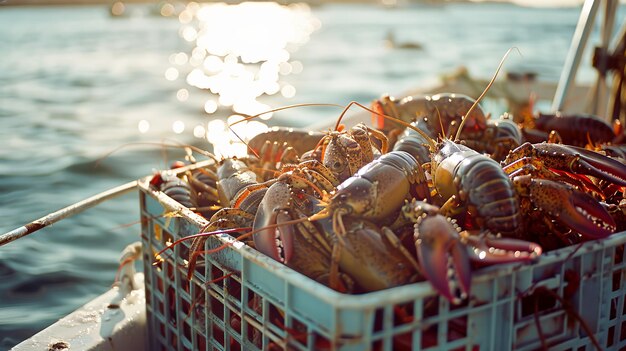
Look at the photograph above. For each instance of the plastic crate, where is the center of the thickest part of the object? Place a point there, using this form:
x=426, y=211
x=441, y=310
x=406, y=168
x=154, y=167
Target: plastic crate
x=240, y=299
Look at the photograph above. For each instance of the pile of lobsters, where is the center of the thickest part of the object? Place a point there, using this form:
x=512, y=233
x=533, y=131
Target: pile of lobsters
x=434, y=189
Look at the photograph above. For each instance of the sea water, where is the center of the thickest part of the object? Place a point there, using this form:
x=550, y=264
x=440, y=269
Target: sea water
x=85, y=99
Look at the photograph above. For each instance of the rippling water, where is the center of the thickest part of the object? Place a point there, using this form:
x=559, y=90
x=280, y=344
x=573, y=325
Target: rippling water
x=76, y=84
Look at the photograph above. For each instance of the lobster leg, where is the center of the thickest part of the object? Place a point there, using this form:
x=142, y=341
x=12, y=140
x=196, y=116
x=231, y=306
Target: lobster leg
x=390, y=237
x=528, y=165
x=571, y=159
x=600, y=166
x=381, y=137
x=225, y=218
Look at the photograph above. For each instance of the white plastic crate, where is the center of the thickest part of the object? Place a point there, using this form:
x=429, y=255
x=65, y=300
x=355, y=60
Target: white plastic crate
x=263, y=305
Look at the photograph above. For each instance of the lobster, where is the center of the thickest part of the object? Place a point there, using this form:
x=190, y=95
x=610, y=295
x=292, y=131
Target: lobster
x=299, y=139
x=298, y=243
x=577, y=129
x=309, y=178
x=345, y=152
x=272, y=157
x=560, y=208
x=371, y=255
x=283, y=231
x=544, y=163
x=378, y=190
x=203, y=182
x=566, y=158
x=499, y=137
x=177, y=189
x=441, y=109
x=471, y=182
x=240, y=193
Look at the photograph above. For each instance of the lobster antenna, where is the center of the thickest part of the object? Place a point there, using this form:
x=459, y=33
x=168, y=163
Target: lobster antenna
x=199, y=235
x=493, y=79
x=346, y=108
x=443, y=130
x=175, y=145
x=195, y=148
x=430, y=140
x=243, y=141
x=248, y=117
x=246, y=235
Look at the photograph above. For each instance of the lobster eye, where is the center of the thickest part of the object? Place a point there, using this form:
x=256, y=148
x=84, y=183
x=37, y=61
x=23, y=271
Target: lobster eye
x=342, y=197
x=337, y=165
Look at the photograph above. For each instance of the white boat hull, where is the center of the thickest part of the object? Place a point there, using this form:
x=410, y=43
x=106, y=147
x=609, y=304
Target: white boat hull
x=115, y=320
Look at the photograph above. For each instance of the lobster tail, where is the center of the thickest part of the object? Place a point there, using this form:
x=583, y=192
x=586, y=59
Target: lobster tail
x=491, y=196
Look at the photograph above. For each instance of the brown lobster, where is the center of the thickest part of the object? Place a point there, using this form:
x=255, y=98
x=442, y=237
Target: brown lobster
x=445, y=109
x=345, y=152
x=378, y=190
x=240, y=195
x=545, y=163
x=280, y=202
x=299, y=139
x=577, y=129
x=369, y=258
x=500, y=136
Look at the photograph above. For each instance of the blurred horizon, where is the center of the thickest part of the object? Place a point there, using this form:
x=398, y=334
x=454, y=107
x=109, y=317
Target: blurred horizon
x=83, y=82
x=528, y=3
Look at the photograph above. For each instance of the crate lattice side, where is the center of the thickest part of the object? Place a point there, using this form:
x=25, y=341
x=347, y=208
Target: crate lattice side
x=238, y=299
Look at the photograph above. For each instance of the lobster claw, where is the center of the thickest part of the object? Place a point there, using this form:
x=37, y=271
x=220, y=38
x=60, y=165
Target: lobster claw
x=577, y=210
x=599, y=166
x=443, y=256
x=271, y=238
x=490, y=249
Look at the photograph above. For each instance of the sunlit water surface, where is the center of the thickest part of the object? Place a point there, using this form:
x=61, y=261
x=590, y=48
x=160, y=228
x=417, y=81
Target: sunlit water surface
x=76, y=83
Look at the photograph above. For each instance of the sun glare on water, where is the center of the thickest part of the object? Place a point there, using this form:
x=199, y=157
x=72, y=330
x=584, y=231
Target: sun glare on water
x=240, y=53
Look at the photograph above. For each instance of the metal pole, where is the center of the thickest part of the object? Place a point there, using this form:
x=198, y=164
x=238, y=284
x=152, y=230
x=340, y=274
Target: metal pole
x=65, y=212
x=568, y=75
x=599, y=97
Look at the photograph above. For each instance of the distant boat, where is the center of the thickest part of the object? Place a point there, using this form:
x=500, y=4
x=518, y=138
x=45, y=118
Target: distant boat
x=390, y=42
x=118, y=9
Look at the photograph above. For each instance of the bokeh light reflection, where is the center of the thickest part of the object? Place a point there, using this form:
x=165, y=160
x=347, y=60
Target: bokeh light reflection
x=171, y=73
x=240, y=53
x=227, y=142
x=167, y=10
x=210, y=106
x=143, y=126
x=180, y=58
x=245, y=48
x=178, y=127
x=199, y=131
x=182, y=95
